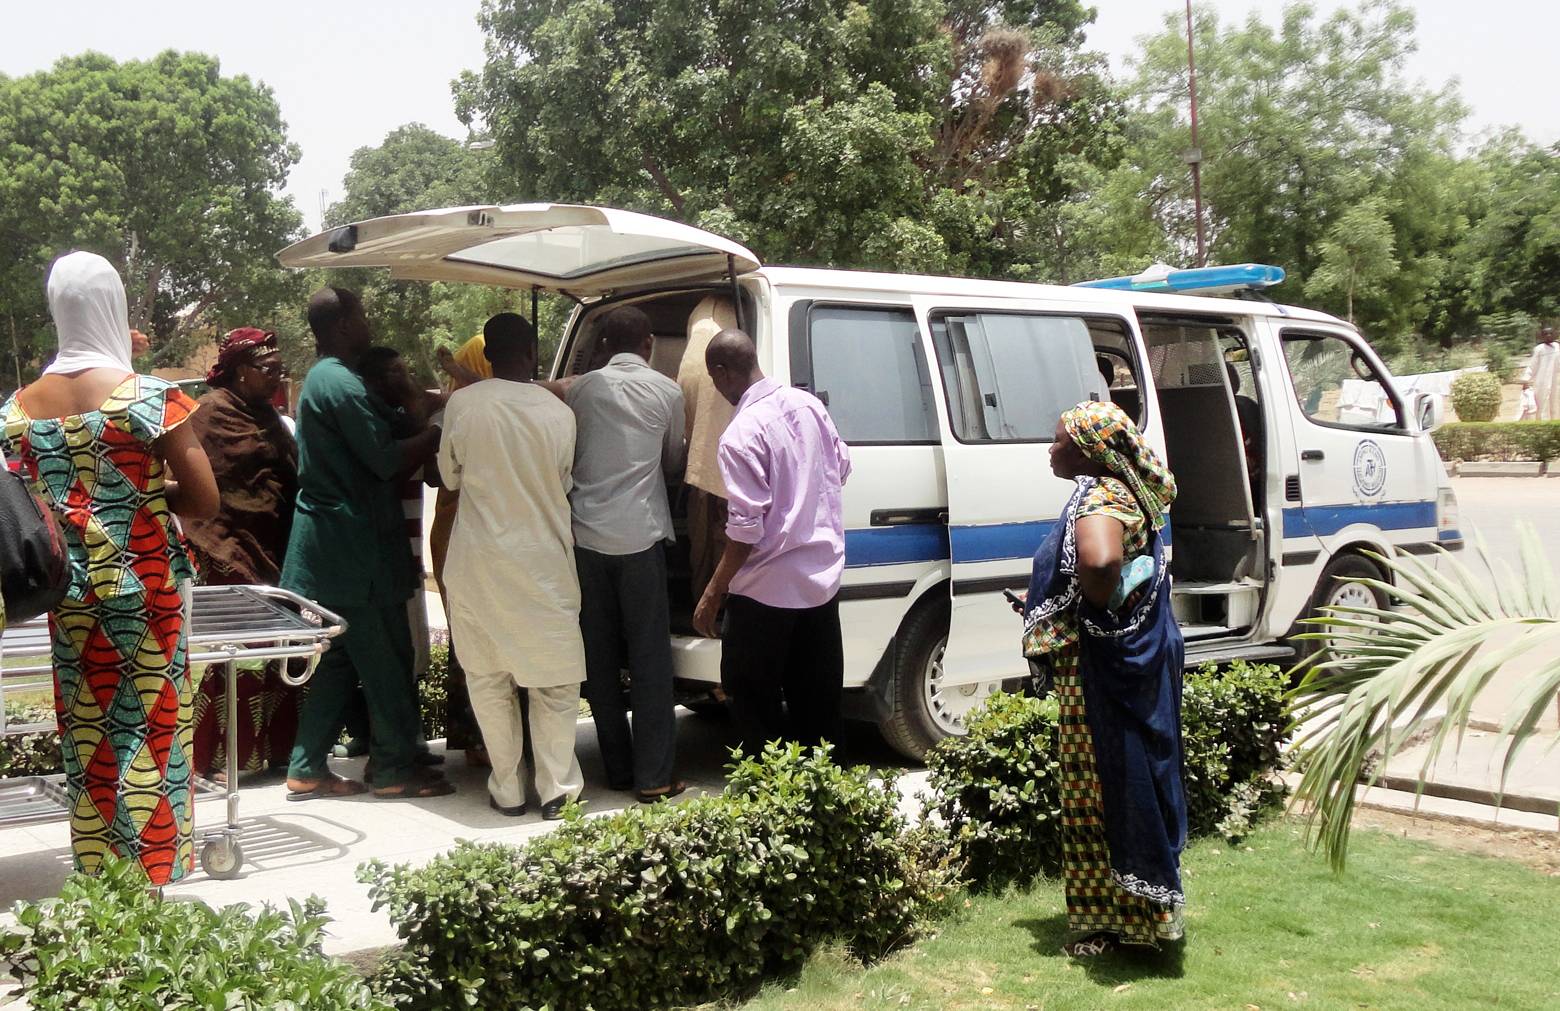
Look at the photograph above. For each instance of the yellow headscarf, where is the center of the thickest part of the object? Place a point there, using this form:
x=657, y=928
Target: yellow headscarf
x=469, y=356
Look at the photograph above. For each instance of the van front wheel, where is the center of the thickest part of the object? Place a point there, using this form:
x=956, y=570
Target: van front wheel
x=1341, y=586
x=925, y=709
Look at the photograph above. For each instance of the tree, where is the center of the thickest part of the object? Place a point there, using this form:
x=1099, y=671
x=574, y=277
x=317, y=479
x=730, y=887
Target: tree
x=1300, y=125
x=412, y=169
x=915, y=135
x=1509, y=255
x=1356, y=256
x=415, y=168
x=164, y=166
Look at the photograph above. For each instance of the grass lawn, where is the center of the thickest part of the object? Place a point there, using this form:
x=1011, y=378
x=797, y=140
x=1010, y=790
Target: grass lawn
x=1408, y=925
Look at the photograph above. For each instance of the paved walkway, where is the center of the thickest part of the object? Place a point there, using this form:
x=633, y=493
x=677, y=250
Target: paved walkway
x=296, y=849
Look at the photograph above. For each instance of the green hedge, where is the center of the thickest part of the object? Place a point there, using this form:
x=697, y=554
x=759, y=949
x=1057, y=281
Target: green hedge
x=1233, y=722
x=997, y=788
x=29, y=754
x=433, y=692
x=1499, y=440
x=667, y=905
x=108, y=944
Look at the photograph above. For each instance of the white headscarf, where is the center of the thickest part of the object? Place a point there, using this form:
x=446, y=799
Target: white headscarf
x=87, y=301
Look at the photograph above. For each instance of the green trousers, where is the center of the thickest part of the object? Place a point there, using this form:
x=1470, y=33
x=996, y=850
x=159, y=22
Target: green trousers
x=376, y=653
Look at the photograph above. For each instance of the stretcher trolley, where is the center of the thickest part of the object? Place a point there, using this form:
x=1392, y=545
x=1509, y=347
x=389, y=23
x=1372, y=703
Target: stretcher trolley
x=229, y=625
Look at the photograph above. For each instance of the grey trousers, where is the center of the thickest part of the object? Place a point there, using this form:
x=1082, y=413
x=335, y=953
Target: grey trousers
x=625, y=623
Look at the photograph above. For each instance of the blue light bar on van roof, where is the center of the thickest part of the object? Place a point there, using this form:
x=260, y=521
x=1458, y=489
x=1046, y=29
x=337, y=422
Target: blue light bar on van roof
x=1202, y=280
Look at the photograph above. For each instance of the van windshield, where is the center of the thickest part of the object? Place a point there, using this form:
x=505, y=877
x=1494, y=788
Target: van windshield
x=1009, y=376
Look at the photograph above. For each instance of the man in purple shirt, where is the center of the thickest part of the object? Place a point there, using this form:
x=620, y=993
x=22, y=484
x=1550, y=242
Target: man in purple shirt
x=784, y=466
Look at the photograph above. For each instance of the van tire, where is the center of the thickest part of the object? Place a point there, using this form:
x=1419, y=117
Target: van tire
x=1339, y=581
x=910, y=729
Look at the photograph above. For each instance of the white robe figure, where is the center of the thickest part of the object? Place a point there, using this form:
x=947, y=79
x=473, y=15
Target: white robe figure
x=1543, y=373
x=514, y=597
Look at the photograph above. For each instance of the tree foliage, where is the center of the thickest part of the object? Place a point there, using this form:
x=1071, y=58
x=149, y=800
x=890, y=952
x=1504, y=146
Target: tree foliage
x=416, y=168
x=911, y=135
x=166, y=167
x=1319, y=155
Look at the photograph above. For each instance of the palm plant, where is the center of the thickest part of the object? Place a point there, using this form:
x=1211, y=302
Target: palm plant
x=1383, y=677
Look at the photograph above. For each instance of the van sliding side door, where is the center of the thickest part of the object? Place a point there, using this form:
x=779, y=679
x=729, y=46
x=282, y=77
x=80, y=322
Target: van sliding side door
x=1007, y=370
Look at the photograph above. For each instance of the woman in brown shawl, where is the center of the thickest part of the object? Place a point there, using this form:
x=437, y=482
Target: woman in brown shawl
x=255, y=460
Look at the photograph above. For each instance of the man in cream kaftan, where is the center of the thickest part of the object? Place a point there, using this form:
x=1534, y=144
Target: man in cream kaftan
x=1543, y=377
x=514, y=598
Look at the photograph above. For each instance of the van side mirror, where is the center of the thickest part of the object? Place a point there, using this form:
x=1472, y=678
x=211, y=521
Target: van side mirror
x=1428, y=411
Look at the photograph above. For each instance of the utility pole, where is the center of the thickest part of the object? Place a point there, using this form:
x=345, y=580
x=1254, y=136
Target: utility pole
x=1193, y=156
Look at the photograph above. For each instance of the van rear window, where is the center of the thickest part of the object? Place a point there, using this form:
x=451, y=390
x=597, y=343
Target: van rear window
x=1009, y=376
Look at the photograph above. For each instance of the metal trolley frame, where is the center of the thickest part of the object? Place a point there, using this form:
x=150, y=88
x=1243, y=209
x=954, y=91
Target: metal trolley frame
x=228, y=624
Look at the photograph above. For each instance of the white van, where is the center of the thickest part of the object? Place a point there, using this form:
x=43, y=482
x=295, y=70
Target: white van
x=948, y=391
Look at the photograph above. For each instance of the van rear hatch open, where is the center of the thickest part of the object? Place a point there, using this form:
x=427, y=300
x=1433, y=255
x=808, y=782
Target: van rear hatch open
x=578, y=250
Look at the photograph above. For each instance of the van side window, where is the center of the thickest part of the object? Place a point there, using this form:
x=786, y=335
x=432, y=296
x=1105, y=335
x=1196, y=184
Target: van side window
x=868, y=368
x=1337, y=385
x=1009, y=376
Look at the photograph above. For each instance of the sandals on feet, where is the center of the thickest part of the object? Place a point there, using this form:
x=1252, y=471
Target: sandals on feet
x=419, y=787
x=1099, y=943
x=325, y=786
x=665, y=793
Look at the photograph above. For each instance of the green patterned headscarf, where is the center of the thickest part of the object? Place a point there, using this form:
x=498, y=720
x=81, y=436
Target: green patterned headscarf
x=1108, y=437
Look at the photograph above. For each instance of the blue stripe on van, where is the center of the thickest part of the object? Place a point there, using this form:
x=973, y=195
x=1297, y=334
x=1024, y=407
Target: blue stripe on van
x=1321, y=521
x=928, y=542
x=999, y=541
x=911, y=542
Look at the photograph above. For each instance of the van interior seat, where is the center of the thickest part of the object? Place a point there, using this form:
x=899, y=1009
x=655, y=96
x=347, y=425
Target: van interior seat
x=667, y=352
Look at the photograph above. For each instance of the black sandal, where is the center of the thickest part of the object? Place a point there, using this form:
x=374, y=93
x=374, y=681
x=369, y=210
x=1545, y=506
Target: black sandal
x=656, y=796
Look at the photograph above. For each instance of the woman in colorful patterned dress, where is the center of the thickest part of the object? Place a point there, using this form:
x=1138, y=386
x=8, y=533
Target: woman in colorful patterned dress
x=108, y=450
x=1116, y=658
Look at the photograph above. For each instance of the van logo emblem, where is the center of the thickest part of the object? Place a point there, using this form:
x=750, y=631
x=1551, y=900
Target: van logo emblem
x=1370, y=469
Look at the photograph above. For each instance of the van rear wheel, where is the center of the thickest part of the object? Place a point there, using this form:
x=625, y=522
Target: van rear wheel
x=925, y=709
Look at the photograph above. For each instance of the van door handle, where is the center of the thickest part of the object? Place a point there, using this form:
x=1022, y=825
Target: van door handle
x=906, y=517
x=1312, y=454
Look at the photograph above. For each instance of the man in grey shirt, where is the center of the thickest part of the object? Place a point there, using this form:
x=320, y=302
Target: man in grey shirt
x=629, y=434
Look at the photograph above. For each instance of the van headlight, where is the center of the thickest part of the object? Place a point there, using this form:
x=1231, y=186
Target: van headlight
x=1446, y=513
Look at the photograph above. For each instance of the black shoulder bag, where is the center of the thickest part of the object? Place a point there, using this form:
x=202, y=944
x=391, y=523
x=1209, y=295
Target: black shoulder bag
x=34, y=562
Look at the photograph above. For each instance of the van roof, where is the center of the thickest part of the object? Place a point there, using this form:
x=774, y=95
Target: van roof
x=915, y=284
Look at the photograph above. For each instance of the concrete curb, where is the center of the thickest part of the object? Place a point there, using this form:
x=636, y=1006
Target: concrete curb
x=1500, y=468
x=1456, y=812
x=1473, y=795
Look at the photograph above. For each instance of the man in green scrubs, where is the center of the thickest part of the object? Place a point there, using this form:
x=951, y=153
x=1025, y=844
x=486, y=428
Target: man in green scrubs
x=349, y=552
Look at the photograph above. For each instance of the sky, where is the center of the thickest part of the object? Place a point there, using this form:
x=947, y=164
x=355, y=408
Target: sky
x=346, y=72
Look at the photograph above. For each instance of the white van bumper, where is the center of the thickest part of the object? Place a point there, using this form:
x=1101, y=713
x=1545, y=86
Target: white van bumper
x=695, y=658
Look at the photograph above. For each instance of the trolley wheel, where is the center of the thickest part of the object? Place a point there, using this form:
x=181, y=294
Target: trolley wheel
x=222, y=858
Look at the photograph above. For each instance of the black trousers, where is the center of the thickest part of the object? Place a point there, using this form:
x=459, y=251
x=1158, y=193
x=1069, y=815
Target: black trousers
x=774, y=654
x=625, y=622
